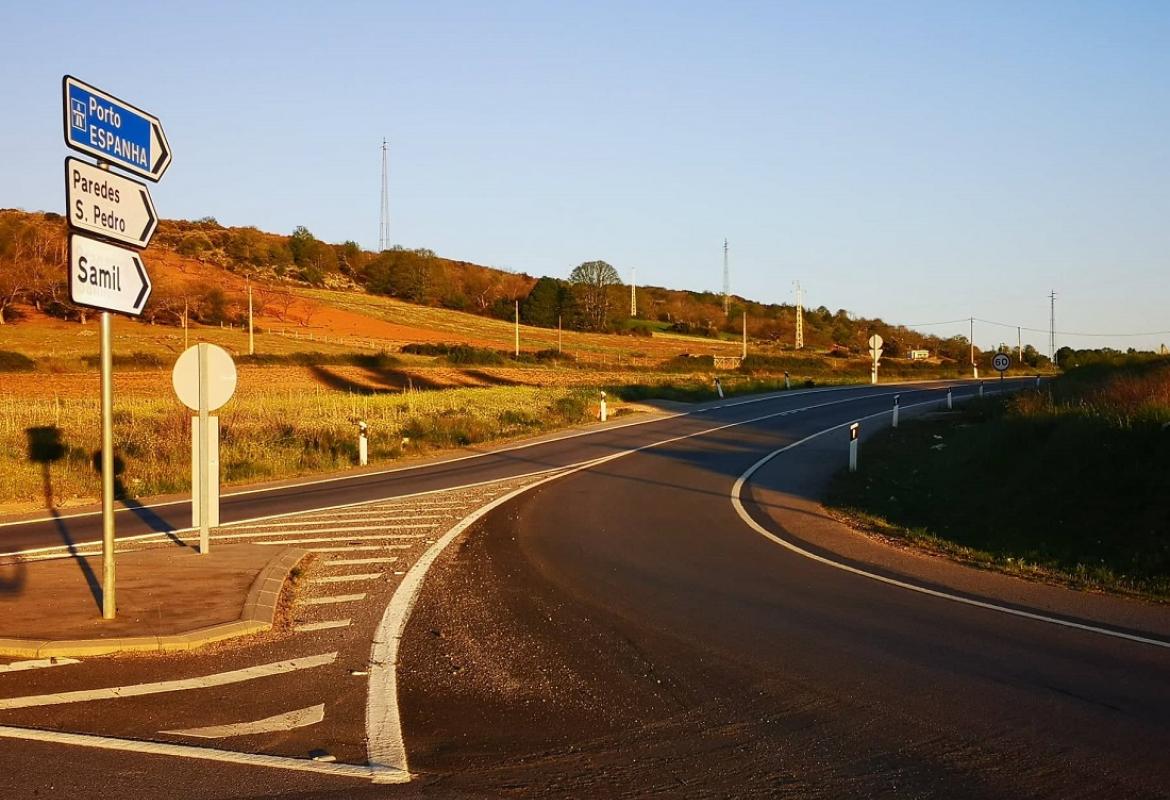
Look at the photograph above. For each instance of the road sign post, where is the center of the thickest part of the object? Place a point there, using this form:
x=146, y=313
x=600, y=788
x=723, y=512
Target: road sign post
x=102, y=274
x=875, y=354
x=204, y=378
x=1001, y=362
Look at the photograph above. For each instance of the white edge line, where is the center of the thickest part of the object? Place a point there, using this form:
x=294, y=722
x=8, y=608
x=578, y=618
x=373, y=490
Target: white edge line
x=137, y=746
x=737, y=504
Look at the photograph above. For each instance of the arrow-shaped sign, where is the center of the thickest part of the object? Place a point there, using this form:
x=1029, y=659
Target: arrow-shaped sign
x=106, y=277
x=100, y=202
x=113, y=130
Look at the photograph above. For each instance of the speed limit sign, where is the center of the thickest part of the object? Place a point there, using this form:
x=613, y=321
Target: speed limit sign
x=1001, y=362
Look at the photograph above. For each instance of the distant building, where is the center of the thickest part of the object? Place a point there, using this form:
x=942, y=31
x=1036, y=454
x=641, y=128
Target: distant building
x=919, y=355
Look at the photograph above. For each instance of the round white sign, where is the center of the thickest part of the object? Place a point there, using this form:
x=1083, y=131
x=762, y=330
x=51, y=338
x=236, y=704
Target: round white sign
x=875, y=342
x=1001, y=362
x=221, y=377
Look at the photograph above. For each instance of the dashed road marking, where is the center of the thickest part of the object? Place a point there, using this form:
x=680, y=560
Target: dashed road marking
x=365, y=576
x=39, y=663
x=289, y=720
x=306, y=627
x=353, y=562
x=324, y=601
x=363, y=538
x=334, y=520
x=265, y=532
x=184, y=684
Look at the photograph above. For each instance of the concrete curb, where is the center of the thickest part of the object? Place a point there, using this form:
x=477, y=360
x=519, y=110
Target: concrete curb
x=259, y=615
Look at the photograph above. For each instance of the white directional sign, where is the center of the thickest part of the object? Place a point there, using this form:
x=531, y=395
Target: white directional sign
x=113, y=130
x=1001, y=362
x=109, y=205
x=106, y=277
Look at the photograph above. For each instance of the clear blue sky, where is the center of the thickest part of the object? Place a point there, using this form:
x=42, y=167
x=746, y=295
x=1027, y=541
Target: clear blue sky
x=917, y=161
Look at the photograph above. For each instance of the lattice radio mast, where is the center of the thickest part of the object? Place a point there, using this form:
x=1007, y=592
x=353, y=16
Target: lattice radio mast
x=726, y=282
x=799, y=317
x=384, y=219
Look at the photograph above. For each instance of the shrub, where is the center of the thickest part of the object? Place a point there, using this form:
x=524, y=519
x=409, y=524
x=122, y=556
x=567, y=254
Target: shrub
x=15, y=362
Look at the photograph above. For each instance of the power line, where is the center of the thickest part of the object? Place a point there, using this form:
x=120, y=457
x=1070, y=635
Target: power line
x=965, y=320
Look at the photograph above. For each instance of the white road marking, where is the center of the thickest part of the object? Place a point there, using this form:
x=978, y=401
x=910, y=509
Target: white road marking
x=353, y=562
x=386, y=520
x=365, y=576
x=324, y=601
x=184, y=684
x=374, y=774
x=352, y=548
x=314, y=531
x=363, y=538
x=290, y=720
x=737, y=504
x=322, y=626
x=39, y=663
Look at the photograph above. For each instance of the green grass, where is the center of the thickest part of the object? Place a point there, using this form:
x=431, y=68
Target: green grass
x=1073, y=487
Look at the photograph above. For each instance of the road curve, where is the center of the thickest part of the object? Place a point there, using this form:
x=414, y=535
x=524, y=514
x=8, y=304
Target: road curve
x=491, y=464
x=622, y=631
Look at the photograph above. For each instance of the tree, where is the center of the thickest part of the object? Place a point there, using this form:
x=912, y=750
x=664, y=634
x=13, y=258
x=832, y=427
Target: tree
x=592, y=280
x=542, y=306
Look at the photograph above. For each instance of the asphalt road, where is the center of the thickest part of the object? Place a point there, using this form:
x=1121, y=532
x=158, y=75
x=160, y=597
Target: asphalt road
x=620, y=631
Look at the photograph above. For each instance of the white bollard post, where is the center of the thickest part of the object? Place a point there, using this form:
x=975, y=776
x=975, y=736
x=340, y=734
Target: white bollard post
x=787, y=382
x=363, y=444
x=854, y=432
x=894, y=422
x=950, y=402
x=981, y=388
x=604, y=415
x=719, y=388
x=1037, y=383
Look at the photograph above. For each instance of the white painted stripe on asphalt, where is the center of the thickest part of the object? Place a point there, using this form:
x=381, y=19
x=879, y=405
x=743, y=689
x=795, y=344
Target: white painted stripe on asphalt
x=350, y=562
x=737, y=504
x=306, y=627
x=333, y=520
x=325, y=601
x=374, y=774
x=363, y=547
x=763, y=398
x=362, y=538
x=184, y=684
x=38, y=663
x=289, y=720
x=265, y=532
x=365, y=576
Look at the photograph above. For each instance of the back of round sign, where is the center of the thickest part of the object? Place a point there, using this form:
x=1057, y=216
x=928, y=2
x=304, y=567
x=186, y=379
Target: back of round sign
x=221, y=377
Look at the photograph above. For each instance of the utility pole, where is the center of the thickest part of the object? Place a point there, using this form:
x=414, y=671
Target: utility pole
x=1052, y=327
x=1019, y=346
x=558, y=333
x=726, y=282
x=517, y=329
x=745, y=333
x=633, y=292
x=799, y=317
x=251, y=333
x=384, y=217
x=971, y=341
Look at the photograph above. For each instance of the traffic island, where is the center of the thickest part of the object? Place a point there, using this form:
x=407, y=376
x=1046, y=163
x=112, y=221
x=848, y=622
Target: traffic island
x=169, y=599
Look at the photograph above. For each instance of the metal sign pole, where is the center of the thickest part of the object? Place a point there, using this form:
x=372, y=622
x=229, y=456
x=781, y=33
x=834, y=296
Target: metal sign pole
x=204, y=472
x=109, y=607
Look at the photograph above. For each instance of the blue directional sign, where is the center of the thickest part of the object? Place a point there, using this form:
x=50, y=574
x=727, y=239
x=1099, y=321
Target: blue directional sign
x=114, y=131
